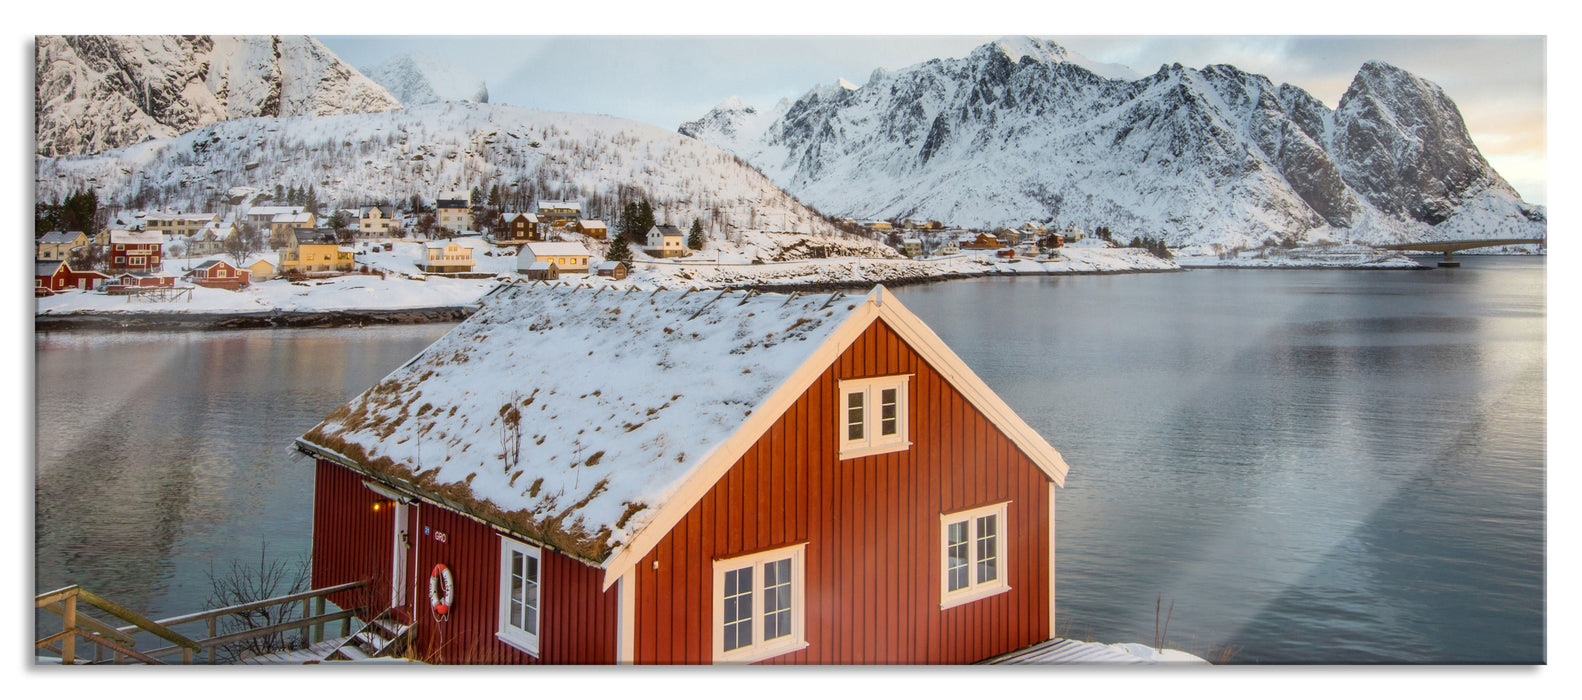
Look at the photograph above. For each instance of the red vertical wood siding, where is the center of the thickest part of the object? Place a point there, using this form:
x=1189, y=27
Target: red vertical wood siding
x=871, y=525
x=351, y=541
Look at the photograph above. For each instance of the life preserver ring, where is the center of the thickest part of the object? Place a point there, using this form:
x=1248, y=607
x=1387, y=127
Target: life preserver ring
x=440, y=577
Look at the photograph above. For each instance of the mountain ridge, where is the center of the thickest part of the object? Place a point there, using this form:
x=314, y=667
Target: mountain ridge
x=1214, y=156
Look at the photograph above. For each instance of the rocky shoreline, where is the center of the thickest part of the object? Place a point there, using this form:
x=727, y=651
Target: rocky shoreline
x=241, y=321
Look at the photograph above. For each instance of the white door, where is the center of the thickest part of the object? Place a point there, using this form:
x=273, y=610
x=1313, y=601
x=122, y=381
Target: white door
x=398, y=556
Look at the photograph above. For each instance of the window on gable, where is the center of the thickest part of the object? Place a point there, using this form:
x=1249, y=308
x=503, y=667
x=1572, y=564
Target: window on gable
x=873, y=415
x=759, y=605
x=520, y=595
x=972, y=555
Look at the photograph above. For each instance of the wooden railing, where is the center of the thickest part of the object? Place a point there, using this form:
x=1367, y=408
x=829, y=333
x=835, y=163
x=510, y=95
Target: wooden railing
x=121, y=641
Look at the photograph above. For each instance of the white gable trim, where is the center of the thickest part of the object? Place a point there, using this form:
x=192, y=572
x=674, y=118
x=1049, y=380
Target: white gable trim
x=879, y=304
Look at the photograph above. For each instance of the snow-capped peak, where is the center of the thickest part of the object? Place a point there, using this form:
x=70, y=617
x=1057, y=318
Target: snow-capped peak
x=845, y=84
x=1042, y=50
x=418, y=78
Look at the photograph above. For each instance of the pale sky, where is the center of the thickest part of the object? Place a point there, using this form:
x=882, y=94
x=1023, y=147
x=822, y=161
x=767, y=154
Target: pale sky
x=1497, y=82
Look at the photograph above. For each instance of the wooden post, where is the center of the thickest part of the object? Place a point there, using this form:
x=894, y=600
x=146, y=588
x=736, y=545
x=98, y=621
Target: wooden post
x=214, y=651
x=318, y=629
x=68, y=646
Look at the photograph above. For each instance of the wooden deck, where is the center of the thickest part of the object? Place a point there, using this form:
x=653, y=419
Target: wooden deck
x=1066, y=651
x=311, y=655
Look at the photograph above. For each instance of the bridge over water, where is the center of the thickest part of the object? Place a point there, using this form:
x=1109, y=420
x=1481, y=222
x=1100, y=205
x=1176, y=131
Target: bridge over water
x=1450, y=247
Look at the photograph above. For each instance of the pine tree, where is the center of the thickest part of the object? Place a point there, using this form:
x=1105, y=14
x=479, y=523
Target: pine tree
x=310, y=201
x=645, y=220
x=695, y=237
x=619, y=250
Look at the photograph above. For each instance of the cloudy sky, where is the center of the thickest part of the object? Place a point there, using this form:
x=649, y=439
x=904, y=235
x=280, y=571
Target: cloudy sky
x=1498, y=82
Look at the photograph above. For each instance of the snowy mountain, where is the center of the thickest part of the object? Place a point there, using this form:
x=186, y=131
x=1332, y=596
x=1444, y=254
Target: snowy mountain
x=99, y=92
x=419, y=79
x=1022, y=129
x=387, y=157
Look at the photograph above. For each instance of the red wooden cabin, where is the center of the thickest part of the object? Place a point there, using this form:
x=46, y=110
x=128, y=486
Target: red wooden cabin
x=220, y=275
x=691, y=478
x=137, y=251
x=57, y=276
x=128, y=282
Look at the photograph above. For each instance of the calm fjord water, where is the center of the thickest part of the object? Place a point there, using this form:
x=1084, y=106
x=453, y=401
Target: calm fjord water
x=1313, y=466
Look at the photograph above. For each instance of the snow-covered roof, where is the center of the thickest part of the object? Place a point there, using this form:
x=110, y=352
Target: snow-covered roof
x=665, y=230
x=591, y=223
x=609, y=265
x=181, y=216
x=45, y=268
x=60, y=237
x=557, y=204
x=292, y=217
x=513, y=215
x=210, y=263
x=555, y=248
x=640, y=387
x=272, y=210
x=135, y=237
x=625, y=404
x=537, y=266
x=384, y=210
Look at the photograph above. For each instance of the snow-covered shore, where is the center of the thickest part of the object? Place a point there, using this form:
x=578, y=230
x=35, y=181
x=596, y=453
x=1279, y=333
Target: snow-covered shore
x=401, y=287
x=1357, y=257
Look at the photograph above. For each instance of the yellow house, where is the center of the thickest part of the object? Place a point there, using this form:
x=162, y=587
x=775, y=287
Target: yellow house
x=177, y=224
x=282, y=226
x=375, y=221
x=568, y=257
x=445, y=256
x=261, y=269
x=315, y=251
x=57, y=245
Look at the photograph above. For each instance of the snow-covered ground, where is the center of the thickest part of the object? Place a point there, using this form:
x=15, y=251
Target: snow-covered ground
x=1346, y=256
x=403, y=286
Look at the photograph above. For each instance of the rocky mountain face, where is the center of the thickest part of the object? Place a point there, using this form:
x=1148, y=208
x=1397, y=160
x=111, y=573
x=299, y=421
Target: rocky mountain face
x=93, y=93
x=420, y=79
x=1020, y=131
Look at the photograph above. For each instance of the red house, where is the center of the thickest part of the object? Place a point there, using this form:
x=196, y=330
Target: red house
x=57, y=276
x=220, y=275
x=691, y=478
x=128, y=282
x=135, y=251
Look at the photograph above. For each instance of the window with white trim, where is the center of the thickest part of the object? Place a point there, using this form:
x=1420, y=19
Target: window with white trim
x=758, y=605
x=972, y=554
x=520, y=594
x=873, y=415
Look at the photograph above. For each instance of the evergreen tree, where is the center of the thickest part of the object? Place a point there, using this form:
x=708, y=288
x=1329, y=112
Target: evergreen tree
x=280, y=193
x=695, y=237
x=619, y=250
x=337, y=220
x=645, y=218
x=494, y=195
x=310, y=201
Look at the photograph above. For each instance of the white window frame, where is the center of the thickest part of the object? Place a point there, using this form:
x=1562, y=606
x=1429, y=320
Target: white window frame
x=871, y=442
x=760, y=648
x=975, y=590
x=504, y=631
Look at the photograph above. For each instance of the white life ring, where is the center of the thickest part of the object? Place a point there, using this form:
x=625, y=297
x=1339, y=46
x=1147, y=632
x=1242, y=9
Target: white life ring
x=441, y=577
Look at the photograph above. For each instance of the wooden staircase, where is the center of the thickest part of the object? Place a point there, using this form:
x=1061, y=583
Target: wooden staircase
x=379, y=637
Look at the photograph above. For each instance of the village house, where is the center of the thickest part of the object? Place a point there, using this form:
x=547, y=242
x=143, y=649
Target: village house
x=59, y=245
x=517, y=227
x=219, y=274
x=877, y=225
x=210, y=240
x=983, y=241
x=558, y=213
x=57, y=276
x=445, y=257
x=541, y=271
x=453, y=214
x=592, y=228
x=282, y=228
x=689, y=478
x=376, y=222
x=912, y=247
x=135, y=251
x=177, y=224
x=260, y=269
x=568, y=257
x=129, y=282
x=262, y=217
x=613, y=269
x=1008, y=237
x=949, y=246
x=666, y=241
x=314, y=251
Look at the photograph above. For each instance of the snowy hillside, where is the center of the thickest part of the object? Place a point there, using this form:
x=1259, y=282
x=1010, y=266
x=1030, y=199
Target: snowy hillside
x=1021, y=130
x=420, y=79
x=385, y=157
x=99, y=92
